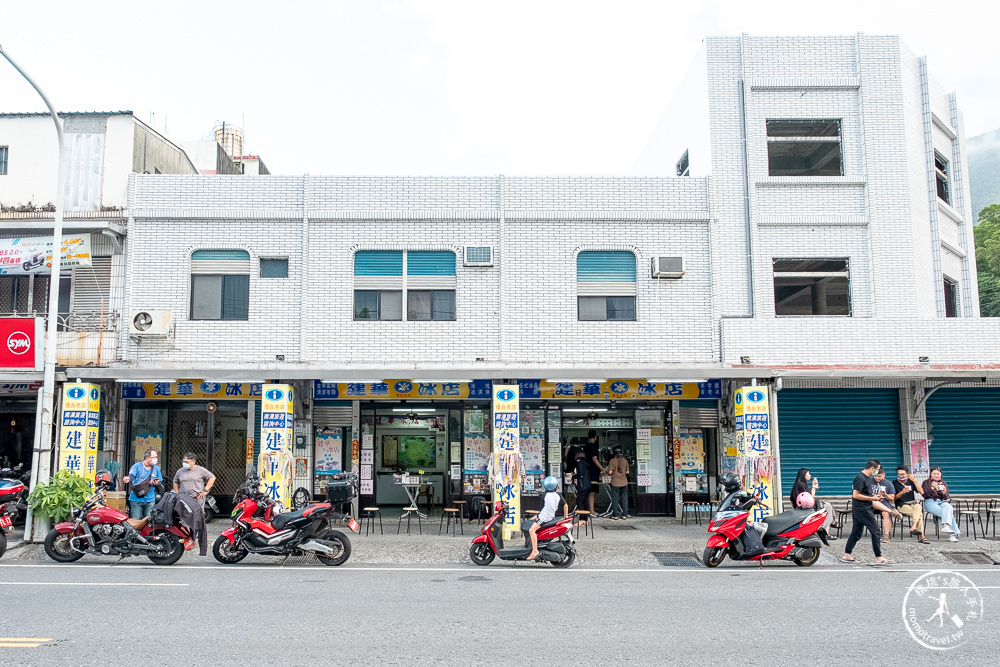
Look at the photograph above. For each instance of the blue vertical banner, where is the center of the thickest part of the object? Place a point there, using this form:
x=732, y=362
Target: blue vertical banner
x=81, y=421
x=277, y=431
x=506, y=464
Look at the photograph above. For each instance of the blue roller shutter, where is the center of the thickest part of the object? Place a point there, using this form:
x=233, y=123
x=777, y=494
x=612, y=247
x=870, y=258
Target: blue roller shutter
x=833, y=432
x=430, y=263
x=605, y=267
x=378, y=263
x=966, y=437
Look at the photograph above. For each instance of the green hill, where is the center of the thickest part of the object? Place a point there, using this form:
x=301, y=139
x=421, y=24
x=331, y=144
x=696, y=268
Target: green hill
x=983, y=153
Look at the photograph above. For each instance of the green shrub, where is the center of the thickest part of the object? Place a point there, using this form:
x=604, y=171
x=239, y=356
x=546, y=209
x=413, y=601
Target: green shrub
x=57, y=499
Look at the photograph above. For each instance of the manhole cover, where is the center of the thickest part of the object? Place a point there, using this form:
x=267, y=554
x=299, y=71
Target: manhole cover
x=968, y=558
x=676, y=559
x=618, y=527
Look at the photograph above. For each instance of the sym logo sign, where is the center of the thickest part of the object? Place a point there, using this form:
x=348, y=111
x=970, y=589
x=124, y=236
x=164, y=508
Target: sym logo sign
x=21, y=345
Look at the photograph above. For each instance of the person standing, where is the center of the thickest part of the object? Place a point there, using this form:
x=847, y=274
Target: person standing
x=618, y=467
x=886, y=507
x=906, y=502
x=592, y=452
x=193, y=480
x=937, y=502
x=864, y=495
x=144, y=476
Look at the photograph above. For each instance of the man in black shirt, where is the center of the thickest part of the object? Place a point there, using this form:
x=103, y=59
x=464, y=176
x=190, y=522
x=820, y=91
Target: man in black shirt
x=906, y=501
x=864, y=515
x=593, y=454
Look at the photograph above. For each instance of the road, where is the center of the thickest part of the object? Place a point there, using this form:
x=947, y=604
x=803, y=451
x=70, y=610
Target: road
x=96, y=614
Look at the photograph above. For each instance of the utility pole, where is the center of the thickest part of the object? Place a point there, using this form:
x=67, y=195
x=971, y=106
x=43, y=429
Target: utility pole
x=41, y=457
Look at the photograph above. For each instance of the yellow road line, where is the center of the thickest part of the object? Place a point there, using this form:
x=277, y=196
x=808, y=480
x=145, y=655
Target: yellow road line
x=25, y=639
x=13, y=645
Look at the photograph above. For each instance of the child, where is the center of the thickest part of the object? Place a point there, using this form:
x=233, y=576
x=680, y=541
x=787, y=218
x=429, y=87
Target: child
x=551, y=503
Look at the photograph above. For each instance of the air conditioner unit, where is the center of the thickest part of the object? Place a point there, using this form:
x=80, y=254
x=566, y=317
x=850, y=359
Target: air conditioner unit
x=668, y=267
x=478, y=255
x=150, y=322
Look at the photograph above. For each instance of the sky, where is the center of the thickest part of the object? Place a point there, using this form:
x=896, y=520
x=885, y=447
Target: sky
x=390, y=87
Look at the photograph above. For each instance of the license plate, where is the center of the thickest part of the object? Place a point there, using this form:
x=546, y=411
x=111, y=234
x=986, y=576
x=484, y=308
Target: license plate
x=188, y=543
x=353, y=525
x=5, y=521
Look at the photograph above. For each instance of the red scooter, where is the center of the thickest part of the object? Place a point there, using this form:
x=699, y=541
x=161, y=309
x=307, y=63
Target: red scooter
x=10, y=491
x=555, y=541
x=794, y=535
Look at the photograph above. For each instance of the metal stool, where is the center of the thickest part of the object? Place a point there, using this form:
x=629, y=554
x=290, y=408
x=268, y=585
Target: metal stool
x=450, y=512
x=409, y=512
x=584, y=516
x=531, y=514
x=460, y=505
x=690, y=505
x=369, y=513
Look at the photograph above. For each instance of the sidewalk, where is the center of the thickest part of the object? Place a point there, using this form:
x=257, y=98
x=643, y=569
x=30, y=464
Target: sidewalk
x=628, y=543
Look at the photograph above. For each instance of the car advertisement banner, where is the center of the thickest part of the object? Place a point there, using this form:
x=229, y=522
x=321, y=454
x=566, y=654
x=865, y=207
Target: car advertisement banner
x=21, y=256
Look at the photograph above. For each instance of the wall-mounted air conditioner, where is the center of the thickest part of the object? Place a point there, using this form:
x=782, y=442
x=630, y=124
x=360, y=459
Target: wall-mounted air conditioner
x=150, y=322
x=668, y=266
x=478, y=255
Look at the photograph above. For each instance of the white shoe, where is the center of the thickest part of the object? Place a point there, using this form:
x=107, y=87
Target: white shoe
x=947, y=530
x=953, y=538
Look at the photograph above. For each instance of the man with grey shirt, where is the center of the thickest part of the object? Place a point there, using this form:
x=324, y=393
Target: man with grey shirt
x=193, y=480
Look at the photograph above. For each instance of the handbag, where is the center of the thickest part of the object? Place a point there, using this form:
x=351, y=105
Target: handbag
x=141, y=490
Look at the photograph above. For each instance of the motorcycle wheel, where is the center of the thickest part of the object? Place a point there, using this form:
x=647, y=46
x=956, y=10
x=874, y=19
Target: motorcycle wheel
x=481, y=553
x=812, y=557
x=3, y=542
x=176, y=549
x=336, y=540
x=713, y=556
x=566, y=560
x=225, y=552
x=58, y=549
x=209, y=514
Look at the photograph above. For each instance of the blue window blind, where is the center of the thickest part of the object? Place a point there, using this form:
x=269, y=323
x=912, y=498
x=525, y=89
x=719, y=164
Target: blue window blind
x=221, y=254
x=605, y=267
x=378, y=263
x=430, y=263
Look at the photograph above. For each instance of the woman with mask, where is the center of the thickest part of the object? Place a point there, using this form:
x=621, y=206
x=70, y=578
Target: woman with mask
x=618, y=467
x=936, y=501
x=803, y=496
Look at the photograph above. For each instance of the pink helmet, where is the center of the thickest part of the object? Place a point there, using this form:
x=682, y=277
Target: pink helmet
x=804, y=500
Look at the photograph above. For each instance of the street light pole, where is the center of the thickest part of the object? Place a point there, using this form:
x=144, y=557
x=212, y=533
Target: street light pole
x=42, y=451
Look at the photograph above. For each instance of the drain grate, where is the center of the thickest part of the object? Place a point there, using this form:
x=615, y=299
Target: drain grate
x=618, y=527
x=676, y=559
x=968, y=557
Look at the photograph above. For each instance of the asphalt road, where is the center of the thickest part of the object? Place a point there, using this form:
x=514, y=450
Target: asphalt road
x=90, y=614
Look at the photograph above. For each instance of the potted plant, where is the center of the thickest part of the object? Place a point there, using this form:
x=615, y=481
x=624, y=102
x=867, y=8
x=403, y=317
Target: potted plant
x=57, y=499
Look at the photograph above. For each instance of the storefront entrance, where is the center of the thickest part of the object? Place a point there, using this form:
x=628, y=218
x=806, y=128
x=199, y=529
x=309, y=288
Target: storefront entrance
x=17, y=431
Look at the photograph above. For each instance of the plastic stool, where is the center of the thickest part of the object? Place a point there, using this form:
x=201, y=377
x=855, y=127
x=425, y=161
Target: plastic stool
x=369, y=513
x=409, y=512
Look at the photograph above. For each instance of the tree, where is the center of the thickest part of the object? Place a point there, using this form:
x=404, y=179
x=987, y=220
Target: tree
x=987, y=235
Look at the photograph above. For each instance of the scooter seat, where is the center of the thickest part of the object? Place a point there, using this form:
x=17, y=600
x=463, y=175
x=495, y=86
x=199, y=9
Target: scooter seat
x=549, y=524
x=286, y=518
x=781, y=522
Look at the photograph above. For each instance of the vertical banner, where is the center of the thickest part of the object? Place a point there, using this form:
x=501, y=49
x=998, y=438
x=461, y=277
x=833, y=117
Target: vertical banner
x=753, y=443
x=81, y=420
x=675, y=457
x=506, y=464
x=277, y=434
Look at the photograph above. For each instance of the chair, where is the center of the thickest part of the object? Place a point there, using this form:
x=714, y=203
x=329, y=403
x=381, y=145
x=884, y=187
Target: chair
x=970, y=509
x=991, y=515
x=480, y=508
x=369, y=514
x=937, y=523
x=454, y=516
x=409, y=513
x=842, y=518
x=460, y=504
x=584, y=518
x=902, y=527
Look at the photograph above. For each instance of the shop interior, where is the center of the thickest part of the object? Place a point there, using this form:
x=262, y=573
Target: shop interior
x=17, y=432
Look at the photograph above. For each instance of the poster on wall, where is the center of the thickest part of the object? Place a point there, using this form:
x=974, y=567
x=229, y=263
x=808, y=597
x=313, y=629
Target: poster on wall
x=533, y=454
x=692, y=458
x=367, y=487
x=329, y=453
x=919, y=456
x=477, y=454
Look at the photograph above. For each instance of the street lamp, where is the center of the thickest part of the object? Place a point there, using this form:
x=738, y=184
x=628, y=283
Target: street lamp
x=41, y=457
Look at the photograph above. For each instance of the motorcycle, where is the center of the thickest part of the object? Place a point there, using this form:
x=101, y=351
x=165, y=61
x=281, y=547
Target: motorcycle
x=11, y=492
x=19, y=505
x=211, y=508
x=104, y=531
x=555, y=541
x=794, y=535
x=260, y=527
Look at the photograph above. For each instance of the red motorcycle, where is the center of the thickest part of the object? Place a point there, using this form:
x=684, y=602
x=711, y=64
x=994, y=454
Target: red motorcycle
x=794, y=535
x=101, y=530
x=10, y=491
x=259, y=528
x=555, y=541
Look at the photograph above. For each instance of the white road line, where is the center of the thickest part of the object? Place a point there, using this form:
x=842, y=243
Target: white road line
x=82, y=583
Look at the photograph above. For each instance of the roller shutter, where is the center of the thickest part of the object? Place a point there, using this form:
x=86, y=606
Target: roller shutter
x=966, y=437
x=700, y=414
x=834, y=431
x=332, y=413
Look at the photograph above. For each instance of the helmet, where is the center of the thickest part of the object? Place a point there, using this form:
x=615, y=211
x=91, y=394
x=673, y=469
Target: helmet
x=804, y=500
x=102, y=479
x=617, y=450
x=730, y=482
x=550, y=483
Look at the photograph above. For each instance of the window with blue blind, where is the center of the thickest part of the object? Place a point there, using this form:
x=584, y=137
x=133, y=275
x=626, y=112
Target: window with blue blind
x=605, y=285
x=217, y=255
x=378, y=263
x=429, y=285
x=220, y=284
x=430, y=263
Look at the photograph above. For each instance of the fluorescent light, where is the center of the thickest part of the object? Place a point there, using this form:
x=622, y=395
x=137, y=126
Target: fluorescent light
x=675, y=381
x=144, y=380
x=351, y=381
x=441, y=381
x=576, y=380
x=414, y=409
x=584, y=409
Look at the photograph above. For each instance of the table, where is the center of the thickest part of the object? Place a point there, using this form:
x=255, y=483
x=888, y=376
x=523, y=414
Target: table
x=411, y=492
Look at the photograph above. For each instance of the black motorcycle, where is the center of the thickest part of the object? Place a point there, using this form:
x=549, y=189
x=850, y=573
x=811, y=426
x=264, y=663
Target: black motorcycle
x=17, y=508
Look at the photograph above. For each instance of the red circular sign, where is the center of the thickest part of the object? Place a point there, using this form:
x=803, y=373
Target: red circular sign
x=18, y=342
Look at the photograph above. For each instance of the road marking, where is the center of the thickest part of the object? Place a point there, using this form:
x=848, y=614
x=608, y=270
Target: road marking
x=23, y=642
x=81, y=583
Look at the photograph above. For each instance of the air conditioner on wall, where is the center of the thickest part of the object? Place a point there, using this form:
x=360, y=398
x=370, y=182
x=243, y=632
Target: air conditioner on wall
x=150, y=322
x=478, y=255
x=668, y=267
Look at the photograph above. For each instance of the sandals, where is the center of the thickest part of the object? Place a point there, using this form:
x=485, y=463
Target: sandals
x=884, y=561
x=923, y=540
x=848, y=560
x=886, y=538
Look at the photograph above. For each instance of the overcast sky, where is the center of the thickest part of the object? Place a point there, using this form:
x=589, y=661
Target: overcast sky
x=435, y=87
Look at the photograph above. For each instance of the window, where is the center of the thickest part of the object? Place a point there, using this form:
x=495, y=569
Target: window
x=428, y=280
x=804, y=148
x=683, y=165
x=3, y=160
x=220, y=285
x=941, y=175
x=811, y=287
x=605, y=285
x=950, y=298
x=276, y=267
